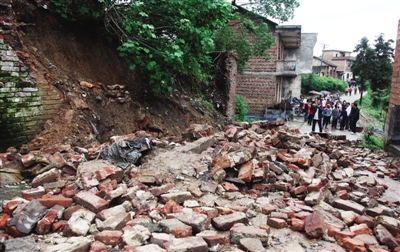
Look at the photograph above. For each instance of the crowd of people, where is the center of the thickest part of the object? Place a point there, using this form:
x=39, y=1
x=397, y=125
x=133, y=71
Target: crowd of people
x=324, y=112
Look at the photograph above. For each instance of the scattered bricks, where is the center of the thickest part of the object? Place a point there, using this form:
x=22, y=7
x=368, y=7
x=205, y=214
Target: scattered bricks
x=70, y=210
x=149, y=247
x=33, y=193
x=246, y=171
x=352, y=243
x=240, y=231
x=348, y=205
x=109, y=237
x=92, y=166
x=342, y=194
x=46, y=177
x=157, y=191
x=90, y=201
x=385, y=237
x=115, y=222
x=198, y=222
x=276, y=223
x=225, y=222
x=27, y=219
x=390, y=223
x=297, y=224
x=376, y=211
x=368, y=220
x=229, y=187
x=178, y=197
x=195, y=244
x=97, y=246
x=59, y=226
x=55, y=200
x=209, y=186
x=58, y=159
x=314, y=225
x=298, y=190
x=172, y=207
x=44, y=225
x=251, y=245
x=113, y=211
x=70, y=190
x=213, y=238
x=161, y=238
x=360, y=229
x=79, y=223
x=104, y=172
x=176, y=227
x=348, y=217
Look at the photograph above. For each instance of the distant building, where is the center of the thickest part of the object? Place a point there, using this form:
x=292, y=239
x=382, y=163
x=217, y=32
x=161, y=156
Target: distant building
x=265, y=83
x=343, y=61
x=323, y=67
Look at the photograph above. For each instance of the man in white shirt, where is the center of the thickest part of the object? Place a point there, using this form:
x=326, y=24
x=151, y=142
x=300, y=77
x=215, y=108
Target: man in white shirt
x=348, y=110
x=317, y=116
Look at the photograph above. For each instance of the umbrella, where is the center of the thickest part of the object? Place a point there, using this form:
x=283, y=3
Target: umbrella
x=314, y=92
x=323, y=92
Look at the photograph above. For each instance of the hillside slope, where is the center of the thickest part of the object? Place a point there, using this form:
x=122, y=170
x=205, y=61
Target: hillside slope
x=64, y=54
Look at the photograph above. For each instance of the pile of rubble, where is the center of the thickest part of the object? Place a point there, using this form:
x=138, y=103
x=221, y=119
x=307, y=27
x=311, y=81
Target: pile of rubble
x=250, y=187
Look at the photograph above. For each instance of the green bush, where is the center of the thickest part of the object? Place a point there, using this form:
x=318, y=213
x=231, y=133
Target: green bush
x=311, y=82
x=241, y=109
x=371, y=141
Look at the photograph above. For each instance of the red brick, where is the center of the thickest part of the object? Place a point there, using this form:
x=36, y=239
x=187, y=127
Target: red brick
x=33, y=193
x=90, y=201
x=109, y=237
x=44, y=225
x=276, y=223
x=52, y=201
x=297, y=224
x=246, y=171
x=360, y=229
x=103, y=173
x=59, y=226
x=352, y=243
x=97, y=246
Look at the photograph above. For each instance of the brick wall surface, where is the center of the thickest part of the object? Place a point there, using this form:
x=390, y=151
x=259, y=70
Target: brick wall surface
x=24, y=105
x=395, y=88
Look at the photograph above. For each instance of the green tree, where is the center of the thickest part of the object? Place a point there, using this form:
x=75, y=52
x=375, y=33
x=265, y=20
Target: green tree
x=172, y=41
x=382, y=78
x=283, y=10
x=363, y=67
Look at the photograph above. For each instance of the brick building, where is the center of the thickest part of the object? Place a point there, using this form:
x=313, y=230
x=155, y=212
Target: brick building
x=265, y=83
x=343, y=61
x=323, y=67
x=392, y=139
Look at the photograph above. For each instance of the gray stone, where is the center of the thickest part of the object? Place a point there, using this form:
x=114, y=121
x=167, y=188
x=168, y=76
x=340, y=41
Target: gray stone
x=187, y=244
x=25, y=220
x=315, y=225
x=385, y=237
x=24, y=244
x=251, y=244
x=348, y=205
x=116, y=222
x=150, y=248
x=197, y=221
x=225, y=222
x=240, y=231
x=178, y=197
x=73, y=244
x=79, y=223
x=136, y=235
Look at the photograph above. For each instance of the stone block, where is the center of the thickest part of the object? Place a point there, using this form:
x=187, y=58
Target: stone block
x=116, y=222
x=195, y=244
x=213, y=238
x=136, y=235
x=197, y=221
x=225, y=222
x=26, y=220
x=348, y=205
x=385, y=237
x=251, y=245
x=178, y=197
x=240, y=231
x=46, y=177
x=314, y=225
x=175, y=227
x=21, y=244
x=79, y=223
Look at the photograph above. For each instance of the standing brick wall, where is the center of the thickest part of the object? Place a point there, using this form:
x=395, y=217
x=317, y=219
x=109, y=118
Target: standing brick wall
x=258, y=84
x=392, y=126
x=24, y=105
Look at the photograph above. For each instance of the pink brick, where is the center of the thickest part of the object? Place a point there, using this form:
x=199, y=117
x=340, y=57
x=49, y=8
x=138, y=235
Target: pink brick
x=103, y=173
x=109, y=237
x=44, y=225
x=33, y=193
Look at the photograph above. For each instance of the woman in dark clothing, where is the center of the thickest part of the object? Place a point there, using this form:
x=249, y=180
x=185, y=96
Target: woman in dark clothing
x=335, y=115
x=354, y=116
x=311, y=114
x=343, y=116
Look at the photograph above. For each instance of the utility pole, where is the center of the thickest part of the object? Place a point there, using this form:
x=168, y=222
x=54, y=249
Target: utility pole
x=323, y=50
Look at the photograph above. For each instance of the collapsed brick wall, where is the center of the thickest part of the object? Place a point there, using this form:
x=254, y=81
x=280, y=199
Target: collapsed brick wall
x=24, y=104
x=394, y=102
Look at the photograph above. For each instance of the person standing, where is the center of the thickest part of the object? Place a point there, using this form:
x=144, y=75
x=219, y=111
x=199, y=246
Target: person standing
x=306, y=110
x=326, y=113
x=311, y=113
x=343, y=116
x=354, y=116
x=348, y=110
x=317, y=116
x=335, y=114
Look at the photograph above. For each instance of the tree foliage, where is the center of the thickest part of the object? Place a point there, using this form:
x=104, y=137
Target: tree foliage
x=373, y=65
x=315, y=82
x=171, y=41
x=283, y=10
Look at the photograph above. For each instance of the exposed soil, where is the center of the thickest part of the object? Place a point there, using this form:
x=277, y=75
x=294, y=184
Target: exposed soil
x=63, y=54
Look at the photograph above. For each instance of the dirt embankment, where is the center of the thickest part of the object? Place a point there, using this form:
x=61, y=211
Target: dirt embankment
x=64, y=54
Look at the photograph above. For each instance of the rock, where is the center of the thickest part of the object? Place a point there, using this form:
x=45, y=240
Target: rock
x=73, y=244
x=198, y=222
x=150, y=248
x=24, y=244
x=109, y=237
x=136, y=235
x=314, y=225
x=225, y=222
x=240, y=231
x=176, y=227
x=195, y=244
x=385, y=237
x=213, y=238
x=348, y=205
x=79, y=223
x=251, y=244
x=25, y=220
x=276, y=223
x=178, y=197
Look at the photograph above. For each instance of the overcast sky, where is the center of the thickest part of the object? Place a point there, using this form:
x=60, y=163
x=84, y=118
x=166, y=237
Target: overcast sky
x=342, y=23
